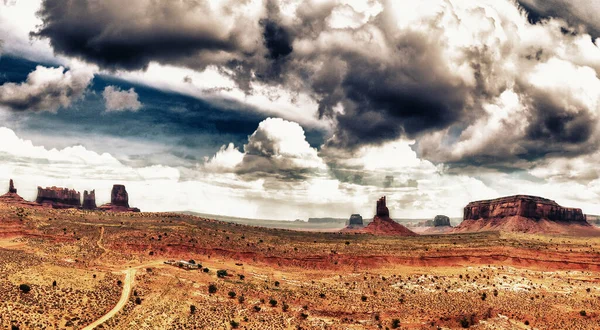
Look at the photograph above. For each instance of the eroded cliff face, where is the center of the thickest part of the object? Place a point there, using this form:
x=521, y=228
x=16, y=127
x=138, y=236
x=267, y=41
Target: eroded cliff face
x=58, y=197
x=89, y=200
x=119, y=201
x=531, y=207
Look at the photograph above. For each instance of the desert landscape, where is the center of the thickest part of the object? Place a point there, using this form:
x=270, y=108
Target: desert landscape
x=75, y=268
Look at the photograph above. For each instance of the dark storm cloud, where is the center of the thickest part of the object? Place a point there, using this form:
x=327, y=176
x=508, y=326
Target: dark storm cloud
x=576, y=12
x=277, y=40
x=129, y=36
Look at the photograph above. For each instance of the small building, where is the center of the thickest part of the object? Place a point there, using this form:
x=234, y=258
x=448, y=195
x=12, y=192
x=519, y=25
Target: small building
x=183, y=264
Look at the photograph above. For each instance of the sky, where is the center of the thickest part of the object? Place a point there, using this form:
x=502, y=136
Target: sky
x=295, y=109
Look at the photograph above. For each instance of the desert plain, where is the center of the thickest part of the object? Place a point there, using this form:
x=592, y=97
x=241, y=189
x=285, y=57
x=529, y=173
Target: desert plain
x=84, y=269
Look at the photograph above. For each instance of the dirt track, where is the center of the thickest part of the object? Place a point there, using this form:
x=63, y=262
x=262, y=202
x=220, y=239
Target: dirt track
x=127, y=287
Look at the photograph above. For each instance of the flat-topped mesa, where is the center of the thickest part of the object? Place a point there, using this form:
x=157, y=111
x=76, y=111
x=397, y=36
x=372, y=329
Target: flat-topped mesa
x=89, y=200
x=11, y=187
x=441, y=221
x=58, y=197
x=356, y=220
x=531, y=207
x=119, y=201
x=382, y=210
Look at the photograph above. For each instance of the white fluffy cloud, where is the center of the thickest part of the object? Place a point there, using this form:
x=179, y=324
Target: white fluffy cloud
x=46, y=89
x=119, y=100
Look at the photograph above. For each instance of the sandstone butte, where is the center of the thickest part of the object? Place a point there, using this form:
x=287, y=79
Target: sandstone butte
x=61, y=198
x=119, y=201
x=522, y=213
x=382, y=224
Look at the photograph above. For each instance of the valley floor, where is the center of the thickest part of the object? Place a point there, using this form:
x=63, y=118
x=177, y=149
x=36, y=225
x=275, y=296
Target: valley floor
x=93, y=269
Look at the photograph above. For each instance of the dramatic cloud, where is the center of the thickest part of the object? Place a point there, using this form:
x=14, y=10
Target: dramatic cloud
x=119, y=100
x=582, y=13
x=277, y=148
x=46, y=89
x=195, y=33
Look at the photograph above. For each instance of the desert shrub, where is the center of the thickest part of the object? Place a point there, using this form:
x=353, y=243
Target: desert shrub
x=464, y=322
x=206, y=270
x=582, y=313
x=273, y=302
x=395, y=324
x=24, y=288
x=234, y=324
x=363, y=298
x=191, y=261
x=119, y=283
x=277, y=283
x=322, y=295
x=257, y=308
x=483, y=296
x=241, y=299
x=53, y=283
x=138, y=301
x=221, y=273
x=192, y=309
x=285, y=307
x=231, y=294
x=212, y=288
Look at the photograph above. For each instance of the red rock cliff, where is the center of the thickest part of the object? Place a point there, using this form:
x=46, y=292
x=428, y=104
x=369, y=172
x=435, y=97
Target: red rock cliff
x=524, y=206
x=58, y=197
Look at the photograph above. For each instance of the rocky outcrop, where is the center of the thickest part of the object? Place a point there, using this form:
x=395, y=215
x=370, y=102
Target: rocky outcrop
x=11, y=187
x=441, y=221
x=11, y=197
x=119, y=196
x=119, y=201
x=382, y=224
x=58, y=197
x=89, y=200
x=382, y=210
x=520, y=213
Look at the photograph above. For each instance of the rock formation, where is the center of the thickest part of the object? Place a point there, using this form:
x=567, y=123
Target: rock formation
x=12, y=197
x=520, y=213
x=119, y=196
x=11, y=187
x=89, y=200
x=355, y=220
x=119, y=201
x=58, y=197
x=382, y=224
x=441, y=221
x=382, y=210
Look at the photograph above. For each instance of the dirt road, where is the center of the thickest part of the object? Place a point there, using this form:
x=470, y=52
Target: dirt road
x=127, y=286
